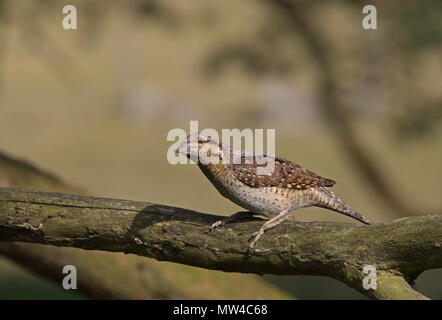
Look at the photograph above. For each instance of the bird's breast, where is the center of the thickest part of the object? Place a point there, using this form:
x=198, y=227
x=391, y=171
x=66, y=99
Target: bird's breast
x=267, y=201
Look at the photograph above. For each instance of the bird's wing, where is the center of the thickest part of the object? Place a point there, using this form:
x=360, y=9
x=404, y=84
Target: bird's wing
x=286, y=174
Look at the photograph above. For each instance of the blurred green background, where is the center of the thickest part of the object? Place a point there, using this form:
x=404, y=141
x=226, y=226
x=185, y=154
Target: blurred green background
x=94, y=105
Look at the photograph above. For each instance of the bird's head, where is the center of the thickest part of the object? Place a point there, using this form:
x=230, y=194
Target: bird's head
x=202, y=148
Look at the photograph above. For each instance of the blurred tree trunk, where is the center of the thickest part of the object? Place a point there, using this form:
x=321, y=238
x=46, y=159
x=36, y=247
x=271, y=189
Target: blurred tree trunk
x=333, y=109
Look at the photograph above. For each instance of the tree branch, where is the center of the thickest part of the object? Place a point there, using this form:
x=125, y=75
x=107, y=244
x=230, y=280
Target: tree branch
x=108, y=275
x=402, y=248
x=395, y=286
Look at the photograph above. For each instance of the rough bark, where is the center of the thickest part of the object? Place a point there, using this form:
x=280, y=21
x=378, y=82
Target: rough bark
x=400, y=249
x=108, y=275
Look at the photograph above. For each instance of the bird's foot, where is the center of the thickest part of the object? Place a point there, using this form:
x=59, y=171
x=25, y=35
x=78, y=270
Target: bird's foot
x=251, y=249
x=237, y=216
x=266, y=226
x=220, y=223
x=255, y=236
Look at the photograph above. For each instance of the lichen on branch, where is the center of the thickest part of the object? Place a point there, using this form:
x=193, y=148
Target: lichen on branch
x=400, y=249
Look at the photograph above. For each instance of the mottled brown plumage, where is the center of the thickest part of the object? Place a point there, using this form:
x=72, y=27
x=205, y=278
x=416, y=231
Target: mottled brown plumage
x=238, y=176
x=286, y=174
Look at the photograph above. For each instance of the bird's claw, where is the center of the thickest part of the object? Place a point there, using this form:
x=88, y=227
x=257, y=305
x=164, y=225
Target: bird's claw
x=253, y=235
x=217, y=224
x=251, y=248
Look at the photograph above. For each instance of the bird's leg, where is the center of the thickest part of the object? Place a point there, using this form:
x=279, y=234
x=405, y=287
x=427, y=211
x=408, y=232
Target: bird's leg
x=281, y=217
x=237, y=216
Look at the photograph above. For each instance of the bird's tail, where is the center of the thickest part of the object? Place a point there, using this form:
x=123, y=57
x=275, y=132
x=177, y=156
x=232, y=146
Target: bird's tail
x=324, y=198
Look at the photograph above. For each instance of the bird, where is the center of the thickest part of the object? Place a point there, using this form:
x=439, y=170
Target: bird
x=273, y=194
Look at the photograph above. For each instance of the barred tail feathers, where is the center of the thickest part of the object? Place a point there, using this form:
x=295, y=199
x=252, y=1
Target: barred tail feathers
x=326, y=199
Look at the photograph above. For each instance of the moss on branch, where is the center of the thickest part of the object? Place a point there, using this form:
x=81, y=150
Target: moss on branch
x=401, y=248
